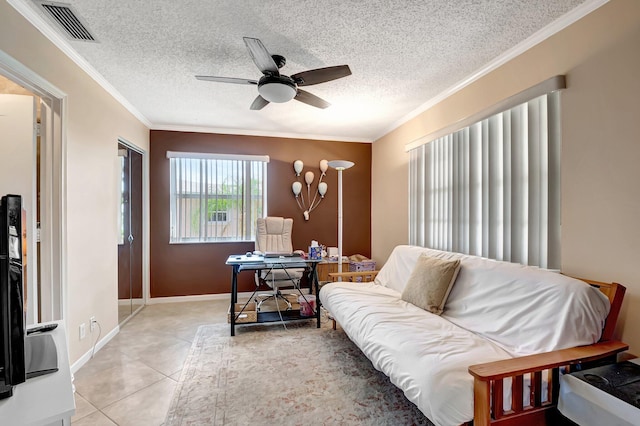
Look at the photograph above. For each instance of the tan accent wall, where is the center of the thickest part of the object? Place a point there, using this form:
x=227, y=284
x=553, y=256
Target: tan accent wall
x=600, y=154
x=94, y=120
x=194, y=269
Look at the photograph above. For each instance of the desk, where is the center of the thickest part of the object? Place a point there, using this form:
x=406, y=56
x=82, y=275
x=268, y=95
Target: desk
x=257, y=263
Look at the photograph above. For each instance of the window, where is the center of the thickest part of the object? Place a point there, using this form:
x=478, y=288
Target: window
x=492, y=189
x=216, y=197
x=217, y=216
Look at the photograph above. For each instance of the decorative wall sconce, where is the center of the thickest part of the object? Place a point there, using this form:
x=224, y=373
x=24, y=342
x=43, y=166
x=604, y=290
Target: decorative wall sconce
x=308, y=205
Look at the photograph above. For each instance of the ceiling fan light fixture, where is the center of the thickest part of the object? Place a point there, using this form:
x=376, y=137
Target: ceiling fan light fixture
x=277, y=89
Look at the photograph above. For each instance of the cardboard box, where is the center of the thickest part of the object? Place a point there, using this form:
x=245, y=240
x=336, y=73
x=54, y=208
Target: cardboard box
x=250, y=313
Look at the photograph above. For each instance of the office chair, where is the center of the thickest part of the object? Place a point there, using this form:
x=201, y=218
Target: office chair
x=273, y=234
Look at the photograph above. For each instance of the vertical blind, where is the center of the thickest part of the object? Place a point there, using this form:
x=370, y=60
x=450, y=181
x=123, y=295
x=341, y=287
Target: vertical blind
x=216, y=197
x=492, y=189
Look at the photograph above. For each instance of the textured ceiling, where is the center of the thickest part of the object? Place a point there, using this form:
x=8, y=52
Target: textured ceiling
x=401, y=54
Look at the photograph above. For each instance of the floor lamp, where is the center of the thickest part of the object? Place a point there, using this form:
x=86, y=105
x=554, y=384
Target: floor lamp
x=340, y=165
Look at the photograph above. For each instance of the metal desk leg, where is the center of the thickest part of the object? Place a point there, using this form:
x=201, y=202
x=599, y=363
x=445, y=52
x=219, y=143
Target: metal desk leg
x=234, y=299
x=314, y=282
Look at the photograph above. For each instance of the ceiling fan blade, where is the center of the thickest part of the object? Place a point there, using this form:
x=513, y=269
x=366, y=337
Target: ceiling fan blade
x=310, y=99
x=226, y=79
x=261, y=56
x=259, y=103
x=321, y=75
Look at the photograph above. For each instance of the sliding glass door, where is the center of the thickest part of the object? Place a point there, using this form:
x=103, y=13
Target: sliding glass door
x=130, y=293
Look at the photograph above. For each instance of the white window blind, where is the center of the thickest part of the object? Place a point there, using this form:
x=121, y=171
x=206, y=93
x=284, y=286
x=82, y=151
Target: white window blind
x=216, y=197
x=492, y=189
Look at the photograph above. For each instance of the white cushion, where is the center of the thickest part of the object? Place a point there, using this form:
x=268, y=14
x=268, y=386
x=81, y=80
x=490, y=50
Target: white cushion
x=525, y=309
x=522, y=308
x=423, y=354
x=396, y=271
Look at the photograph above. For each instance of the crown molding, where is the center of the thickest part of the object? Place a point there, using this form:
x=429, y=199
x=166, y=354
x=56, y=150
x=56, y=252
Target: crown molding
x=39, y=22
x=537, y=38
x=265, y=133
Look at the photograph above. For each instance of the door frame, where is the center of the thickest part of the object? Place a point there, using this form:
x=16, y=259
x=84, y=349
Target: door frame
x=53, y=218
x=145, y=217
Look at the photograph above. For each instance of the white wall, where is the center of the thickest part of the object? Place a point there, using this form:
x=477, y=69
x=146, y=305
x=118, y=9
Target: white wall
x=93, y=122
x=17, y=168
x=600, y=148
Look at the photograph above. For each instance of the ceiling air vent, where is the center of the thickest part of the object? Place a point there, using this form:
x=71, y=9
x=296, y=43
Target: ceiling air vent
x=64, y=15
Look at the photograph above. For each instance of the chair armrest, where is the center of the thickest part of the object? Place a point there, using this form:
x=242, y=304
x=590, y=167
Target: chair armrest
x=527, y=364
x=365, y=276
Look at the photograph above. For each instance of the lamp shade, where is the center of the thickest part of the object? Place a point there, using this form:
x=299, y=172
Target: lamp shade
x=277, y=91
x=308, y=177
x=324, y=165
x=297, y=166
x=322, y=188
x=341, y=164
x=296, y=187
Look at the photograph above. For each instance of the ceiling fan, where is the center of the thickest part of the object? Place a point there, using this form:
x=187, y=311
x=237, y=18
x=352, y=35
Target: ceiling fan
x=276, y=87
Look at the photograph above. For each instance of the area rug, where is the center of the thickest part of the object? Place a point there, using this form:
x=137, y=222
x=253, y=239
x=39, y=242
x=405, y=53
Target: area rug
x=267, y=375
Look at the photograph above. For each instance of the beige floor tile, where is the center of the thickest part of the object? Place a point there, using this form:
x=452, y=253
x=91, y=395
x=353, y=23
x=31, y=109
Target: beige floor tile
x=108, y=357
x=133, y=377
x=83, y=408
x=95, y=419
x=146, y=407
x=107, y=386
x=135, y=343
x=167, y=359
x=187, y=332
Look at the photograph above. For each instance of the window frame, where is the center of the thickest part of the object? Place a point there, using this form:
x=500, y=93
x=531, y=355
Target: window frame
x=204, y=171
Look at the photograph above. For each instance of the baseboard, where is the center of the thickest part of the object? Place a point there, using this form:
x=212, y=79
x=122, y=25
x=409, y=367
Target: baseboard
x=87, y=356
x=129, y=301
x=197, y=298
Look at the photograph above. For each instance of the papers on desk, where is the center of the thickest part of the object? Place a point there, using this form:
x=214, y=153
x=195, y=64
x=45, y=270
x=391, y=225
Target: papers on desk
x=243, y=258
x=285, y=262
x=279, y=254
x=294, y=261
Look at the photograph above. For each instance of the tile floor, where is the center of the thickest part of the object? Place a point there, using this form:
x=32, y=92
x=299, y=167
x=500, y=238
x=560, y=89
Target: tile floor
x=131, y=380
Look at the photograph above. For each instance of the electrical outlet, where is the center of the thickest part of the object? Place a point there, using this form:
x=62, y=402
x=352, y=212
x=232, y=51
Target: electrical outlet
x=92, y=324
x=83, y=331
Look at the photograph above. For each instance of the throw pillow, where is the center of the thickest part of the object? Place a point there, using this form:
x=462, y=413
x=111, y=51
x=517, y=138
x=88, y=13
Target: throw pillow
x=430, y=283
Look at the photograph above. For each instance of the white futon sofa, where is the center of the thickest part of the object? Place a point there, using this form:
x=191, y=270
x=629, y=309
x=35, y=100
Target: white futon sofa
x=497, y=314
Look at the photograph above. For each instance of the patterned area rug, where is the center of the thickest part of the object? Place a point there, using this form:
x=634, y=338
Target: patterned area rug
x=267, y=375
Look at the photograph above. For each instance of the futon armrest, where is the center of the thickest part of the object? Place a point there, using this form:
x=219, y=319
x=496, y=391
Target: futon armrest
x=365, y=276
x=532, y=363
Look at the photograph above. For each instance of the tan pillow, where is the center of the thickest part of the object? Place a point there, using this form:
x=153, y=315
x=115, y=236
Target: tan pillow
x=430, y=283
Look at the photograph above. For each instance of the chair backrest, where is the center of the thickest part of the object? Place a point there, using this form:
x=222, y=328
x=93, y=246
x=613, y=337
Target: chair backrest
x=274, y=234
